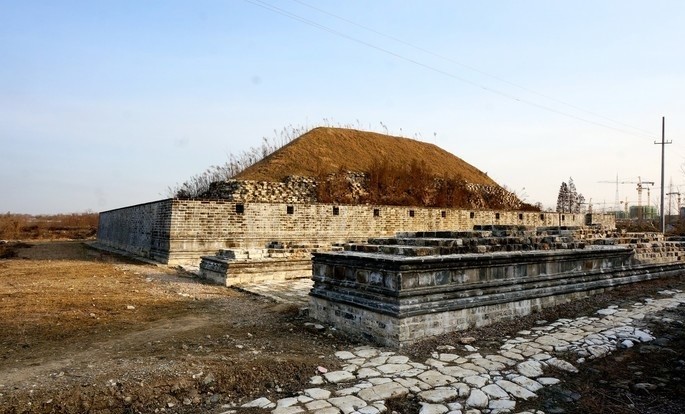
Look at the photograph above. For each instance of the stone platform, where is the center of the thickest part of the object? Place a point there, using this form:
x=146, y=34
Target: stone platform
x=396, y=291
x=231, y=272
x=276, y=262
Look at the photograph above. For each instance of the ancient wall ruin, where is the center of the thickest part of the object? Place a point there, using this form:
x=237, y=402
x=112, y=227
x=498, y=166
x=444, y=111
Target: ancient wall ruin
x=297, y=190
x=143, y=230
x=396, y=291
x=303, y=190
x=179, y=231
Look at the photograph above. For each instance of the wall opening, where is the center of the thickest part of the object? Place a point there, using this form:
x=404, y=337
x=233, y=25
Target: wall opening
x=520, y=216
x=376, y=212
x=290, y=209
x=496, y=216
x=411, y=213
x=240, y=208
x=443, y=214
x=336, y=211
x=542, y=217
x=472, y=214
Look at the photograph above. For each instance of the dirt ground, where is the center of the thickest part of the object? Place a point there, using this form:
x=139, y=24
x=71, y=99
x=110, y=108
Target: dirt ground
x=83, y=331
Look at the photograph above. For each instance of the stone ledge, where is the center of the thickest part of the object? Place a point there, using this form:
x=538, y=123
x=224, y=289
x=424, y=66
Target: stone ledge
x=398, y=299
x=234, y=272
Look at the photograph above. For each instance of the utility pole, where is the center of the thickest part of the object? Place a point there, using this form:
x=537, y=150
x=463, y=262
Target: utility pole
x=617, y=204
x=663, y=146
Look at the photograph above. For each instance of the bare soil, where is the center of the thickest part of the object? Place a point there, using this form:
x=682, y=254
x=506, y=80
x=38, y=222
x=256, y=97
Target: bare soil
x=82, y=331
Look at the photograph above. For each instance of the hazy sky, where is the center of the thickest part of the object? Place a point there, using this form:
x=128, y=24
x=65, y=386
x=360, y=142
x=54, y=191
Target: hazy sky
x=104, y=104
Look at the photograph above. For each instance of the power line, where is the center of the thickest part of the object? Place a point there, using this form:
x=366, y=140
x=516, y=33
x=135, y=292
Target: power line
x=319, y=26
x=471, y=68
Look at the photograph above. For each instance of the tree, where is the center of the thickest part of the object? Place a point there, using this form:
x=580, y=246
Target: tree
x=563, y=198
x=572, y=196
x=569, y=200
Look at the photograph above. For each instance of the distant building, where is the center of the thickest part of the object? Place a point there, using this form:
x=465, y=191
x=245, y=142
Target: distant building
x=643, y=212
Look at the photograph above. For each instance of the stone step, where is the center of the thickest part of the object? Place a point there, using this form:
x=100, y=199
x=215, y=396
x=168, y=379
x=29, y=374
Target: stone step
x=409, y=250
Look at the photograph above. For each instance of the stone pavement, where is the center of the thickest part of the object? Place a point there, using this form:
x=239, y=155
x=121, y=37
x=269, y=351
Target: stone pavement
x=458, y=379
x=294, y=291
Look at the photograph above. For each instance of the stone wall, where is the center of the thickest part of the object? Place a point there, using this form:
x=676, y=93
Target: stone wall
x=303, y=190
x=607, y=221
x=480, y=192
x=143, y=230
x=181, y=231
x=395, y=292
x=296, y=190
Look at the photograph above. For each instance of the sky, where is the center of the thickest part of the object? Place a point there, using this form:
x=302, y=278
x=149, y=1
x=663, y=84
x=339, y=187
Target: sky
x=109, y=103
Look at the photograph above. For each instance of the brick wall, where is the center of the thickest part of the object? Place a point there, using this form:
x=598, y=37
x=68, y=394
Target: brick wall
x=608, y=221
x=143, y=229
x=292, y=190
x=193, y=228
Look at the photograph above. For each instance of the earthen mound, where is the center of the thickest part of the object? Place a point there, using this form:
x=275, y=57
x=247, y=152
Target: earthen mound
x=347, y=166
x=328, y=150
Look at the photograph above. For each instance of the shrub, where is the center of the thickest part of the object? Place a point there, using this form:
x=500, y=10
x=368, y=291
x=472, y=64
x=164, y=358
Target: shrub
x=58, y=226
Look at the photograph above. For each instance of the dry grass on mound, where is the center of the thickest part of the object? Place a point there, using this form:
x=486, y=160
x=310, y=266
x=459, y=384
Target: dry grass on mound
x=328, y=150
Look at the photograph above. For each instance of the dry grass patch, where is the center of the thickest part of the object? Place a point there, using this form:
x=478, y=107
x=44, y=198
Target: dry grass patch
x=48, y=227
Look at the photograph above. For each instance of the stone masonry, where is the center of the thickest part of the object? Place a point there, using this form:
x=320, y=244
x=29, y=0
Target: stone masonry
x=303, y=190
x=399, y=290
x=460, y=378
x=296, y=190
x=176, y=231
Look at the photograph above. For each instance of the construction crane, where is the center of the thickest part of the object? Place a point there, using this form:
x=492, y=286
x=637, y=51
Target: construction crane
x=649, y=211
x=625, y=208
x=640, y=185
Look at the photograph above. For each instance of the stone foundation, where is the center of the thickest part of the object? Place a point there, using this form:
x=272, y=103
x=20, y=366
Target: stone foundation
x=178, y=231
x=236, y=272
x=405, y=290
x=236, y=267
